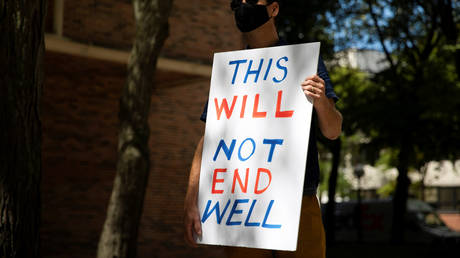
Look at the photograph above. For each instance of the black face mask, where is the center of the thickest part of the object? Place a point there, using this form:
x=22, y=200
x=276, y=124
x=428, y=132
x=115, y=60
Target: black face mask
x=249, y=17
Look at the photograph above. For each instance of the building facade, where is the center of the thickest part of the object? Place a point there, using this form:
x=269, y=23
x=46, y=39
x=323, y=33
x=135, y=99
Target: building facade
x=87, y=46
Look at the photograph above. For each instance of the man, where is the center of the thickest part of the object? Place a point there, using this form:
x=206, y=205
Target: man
x=255, y=19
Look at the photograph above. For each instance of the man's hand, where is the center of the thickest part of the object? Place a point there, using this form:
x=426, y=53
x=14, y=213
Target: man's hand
x=330, y=119
x=192, y=223
x=315, y=88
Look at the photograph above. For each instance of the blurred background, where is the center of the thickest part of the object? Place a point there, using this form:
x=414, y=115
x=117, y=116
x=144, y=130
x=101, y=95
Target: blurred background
x=394, y=64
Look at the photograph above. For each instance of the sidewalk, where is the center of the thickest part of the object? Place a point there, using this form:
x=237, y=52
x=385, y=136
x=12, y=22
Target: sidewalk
x=355, y=250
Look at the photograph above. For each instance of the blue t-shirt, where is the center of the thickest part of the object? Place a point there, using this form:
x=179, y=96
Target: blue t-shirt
x=312, y=169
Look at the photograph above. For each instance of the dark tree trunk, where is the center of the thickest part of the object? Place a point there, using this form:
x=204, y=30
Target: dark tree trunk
x=330, y=206
x=21, y=83
x=401, y=194
x=119, y=235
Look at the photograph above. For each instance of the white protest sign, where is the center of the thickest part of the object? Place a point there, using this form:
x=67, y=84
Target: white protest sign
x=255, y=147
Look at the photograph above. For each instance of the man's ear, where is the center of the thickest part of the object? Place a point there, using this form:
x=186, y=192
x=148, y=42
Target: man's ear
x=273, y=9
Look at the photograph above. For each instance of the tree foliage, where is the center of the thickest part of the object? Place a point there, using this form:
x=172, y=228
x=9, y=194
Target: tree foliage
x=412, y=106
x=307, y=21
x=418, y=92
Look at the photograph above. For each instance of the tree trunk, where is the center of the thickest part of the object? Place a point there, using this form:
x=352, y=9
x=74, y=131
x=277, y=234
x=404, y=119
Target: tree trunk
x=331, y=190
x=119, y=235
x=401, y=193
x=21, y=83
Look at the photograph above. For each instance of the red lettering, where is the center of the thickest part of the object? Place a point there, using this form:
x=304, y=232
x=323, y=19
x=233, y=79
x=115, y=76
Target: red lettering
x=236, y=176
x=256, y=113
x=243, y=107
x=287, y=113
x=264, y=170
x=215, y=180
x=228, y=112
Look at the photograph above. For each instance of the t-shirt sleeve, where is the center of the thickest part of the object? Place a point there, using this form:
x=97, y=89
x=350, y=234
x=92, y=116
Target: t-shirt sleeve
x=322, y=72
x=205, y=112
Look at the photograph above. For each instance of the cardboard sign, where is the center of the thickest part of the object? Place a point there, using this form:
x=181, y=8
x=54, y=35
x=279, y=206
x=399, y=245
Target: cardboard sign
x=255, y=147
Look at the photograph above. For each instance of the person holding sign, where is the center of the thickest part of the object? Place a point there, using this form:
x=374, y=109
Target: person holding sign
x=255, y=19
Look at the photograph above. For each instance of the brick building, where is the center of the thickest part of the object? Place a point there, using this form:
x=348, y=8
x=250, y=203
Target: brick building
x=88, y=43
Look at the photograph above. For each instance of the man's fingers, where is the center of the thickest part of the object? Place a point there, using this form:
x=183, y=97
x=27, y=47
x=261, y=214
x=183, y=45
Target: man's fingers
x=314, y=77
x=306, y=82
x=312, y=83
x=312, y=89
x=313, y=95
x=310, y=78
x=189, y=235
x=192, y=225
x=316, y=90
x=189, y=228
x=197, y=226
x=317, y=79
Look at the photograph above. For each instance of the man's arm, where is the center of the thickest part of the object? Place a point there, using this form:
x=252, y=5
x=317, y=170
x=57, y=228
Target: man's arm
x=192, y=222
x=330, y=119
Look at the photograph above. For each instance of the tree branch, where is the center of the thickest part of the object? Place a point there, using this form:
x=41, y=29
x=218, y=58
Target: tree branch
x=380, y=35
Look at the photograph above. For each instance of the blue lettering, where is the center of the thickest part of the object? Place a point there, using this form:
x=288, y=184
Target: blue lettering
x=256, y=72
x=228, y=151
x=251, y=224
x=284, y=68
x=253, y=149
x=268, y=68
x=235, y=211
x=219, y=215
x=264, y=223
x=237, y=62
x=273, y=143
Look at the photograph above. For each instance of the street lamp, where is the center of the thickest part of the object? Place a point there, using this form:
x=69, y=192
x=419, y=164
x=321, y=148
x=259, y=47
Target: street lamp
x=358, y=172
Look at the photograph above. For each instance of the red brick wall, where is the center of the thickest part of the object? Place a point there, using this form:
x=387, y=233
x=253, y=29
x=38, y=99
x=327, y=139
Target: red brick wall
x=79, y=115
x=201, y=27
x=197, y=28
x=107, y=23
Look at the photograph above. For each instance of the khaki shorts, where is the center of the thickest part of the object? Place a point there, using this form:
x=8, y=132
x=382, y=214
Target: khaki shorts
x=311, y=242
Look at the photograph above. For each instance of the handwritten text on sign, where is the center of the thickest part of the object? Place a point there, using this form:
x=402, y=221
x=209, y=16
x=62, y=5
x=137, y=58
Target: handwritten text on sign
x=255, y=147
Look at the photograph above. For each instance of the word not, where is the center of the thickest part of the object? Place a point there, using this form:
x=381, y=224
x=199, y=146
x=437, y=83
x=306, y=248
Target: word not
x=236, y=177
x=229, y=150
x=257, y=71
x=219, y=216
x=255, y=111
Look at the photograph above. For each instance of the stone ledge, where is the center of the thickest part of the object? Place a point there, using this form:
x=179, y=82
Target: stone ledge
x=64, y=45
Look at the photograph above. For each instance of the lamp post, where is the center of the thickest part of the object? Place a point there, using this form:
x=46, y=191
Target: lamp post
x=358, y=172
